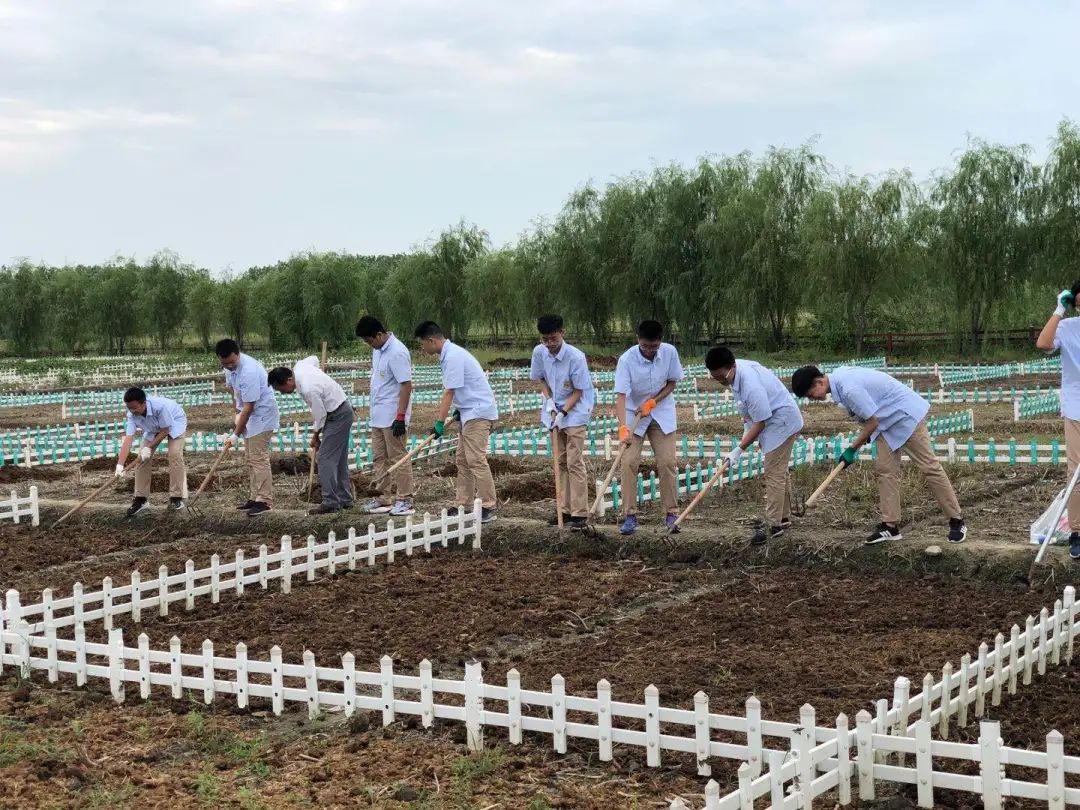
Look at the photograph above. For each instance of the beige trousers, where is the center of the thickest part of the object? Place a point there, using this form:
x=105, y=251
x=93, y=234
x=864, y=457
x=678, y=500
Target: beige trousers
x=474, y=478
x=573, y=478
x=387, y=449
x=261, y=480
x=888, y=474
x=663, y=447
x=177, y=472
x=777, y=488
x=1072, y=452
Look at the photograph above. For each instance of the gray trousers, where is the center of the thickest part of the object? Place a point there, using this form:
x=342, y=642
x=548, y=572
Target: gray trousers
x=333, y=457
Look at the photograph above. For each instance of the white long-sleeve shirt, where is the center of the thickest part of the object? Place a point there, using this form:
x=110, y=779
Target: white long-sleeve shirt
x=320, y=391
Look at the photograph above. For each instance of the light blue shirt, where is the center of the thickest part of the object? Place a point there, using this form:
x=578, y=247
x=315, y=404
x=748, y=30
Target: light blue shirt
x=161, y=413
x=640, y=380
x=248, y=384
x=390, y=367
x=761, y=397
x=564, y=373
x=1067, y=340
x=865, y=392
x=462, y=374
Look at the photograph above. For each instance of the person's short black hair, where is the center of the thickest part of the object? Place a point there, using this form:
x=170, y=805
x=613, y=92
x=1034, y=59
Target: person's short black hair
x=719, y=357
x=650, y=330
x=1076, y=289
x=803, y=378
x=227, y=347
x=134, y=394
x=428, y=329
x=369, y=326
x=278, y=376
x=548, y=324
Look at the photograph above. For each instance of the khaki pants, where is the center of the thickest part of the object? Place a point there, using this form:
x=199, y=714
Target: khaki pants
x=261, y=480
x=1072, y=452
x=663, y=447
x=888, y=474
x=777, y=477
x=573, y=478
x=177, y=472
x=387, y=449
x=473, y=473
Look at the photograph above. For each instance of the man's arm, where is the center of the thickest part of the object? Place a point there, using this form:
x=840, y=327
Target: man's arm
x=242, y=418
x=162, y=434
x=868, y=428
x=403, y=397
x=1045, y=341
x=125, y=448
x=669, y=386
x=751, y=434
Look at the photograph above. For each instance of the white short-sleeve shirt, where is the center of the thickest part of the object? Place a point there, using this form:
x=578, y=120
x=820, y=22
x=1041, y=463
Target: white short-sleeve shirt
x=641, y=379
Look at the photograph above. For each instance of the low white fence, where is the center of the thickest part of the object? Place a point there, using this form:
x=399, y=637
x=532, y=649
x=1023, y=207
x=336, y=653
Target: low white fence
x=15, y=508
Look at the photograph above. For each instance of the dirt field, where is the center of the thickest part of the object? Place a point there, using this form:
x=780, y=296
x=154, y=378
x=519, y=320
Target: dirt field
x=813, y=617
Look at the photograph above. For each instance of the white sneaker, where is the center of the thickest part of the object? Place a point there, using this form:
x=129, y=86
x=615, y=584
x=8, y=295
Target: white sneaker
x=402, y=507
x=377, y=507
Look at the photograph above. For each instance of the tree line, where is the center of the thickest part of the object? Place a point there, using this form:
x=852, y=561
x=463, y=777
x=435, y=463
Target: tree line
x=779, y=245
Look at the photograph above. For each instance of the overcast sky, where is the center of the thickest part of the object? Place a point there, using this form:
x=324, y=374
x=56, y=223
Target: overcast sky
x=237, y=132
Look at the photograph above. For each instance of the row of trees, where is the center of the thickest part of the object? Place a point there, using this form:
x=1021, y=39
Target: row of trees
x=773, y=244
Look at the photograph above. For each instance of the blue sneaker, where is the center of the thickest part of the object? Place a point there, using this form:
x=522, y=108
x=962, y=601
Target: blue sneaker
x=629, y=526
x=1074, y=545
x=669, y=521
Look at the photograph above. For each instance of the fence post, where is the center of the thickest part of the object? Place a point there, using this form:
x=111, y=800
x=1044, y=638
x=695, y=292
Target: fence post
x=116, y=664
x=348, y=682
x=802, y=739
x=864, y=730
x=241, y=676
x=311, y=682
x=1055, y=770
x=603, y=718
x=999, y=668
x=386, y=670
x=980, y=682
x=474, y=706
x=843, y=761
x=702, y=734
x=175, y=669
x=924, y=764
x=1070, y=604
x=946, y=700
x=652, y=725
x=286, y=564
x=990, y=763
x=277, y=681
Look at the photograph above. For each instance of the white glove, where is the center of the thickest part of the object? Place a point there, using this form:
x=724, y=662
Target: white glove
x=145, y=452
x=550, y=407
x=119, y=470
x=1065, y=299
x=732, y=458
x=560, y=420
x=231, y=439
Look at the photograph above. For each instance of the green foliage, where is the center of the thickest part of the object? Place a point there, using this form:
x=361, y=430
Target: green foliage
x=778, y=245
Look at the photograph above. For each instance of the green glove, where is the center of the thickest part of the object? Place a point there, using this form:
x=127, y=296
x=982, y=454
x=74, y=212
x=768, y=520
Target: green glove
x=439, y=429
x=847, y=458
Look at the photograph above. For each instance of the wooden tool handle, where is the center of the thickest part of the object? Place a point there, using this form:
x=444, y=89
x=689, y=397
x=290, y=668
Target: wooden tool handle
x=824, y=485
x=93, y=494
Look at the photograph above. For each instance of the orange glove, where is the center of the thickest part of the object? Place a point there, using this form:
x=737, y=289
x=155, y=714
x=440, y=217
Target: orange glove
x=624, y=433
x=647, y=408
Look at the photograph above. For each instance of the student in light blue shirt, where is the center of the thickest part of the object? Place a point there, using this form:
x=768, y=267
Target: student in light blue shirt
x=770, y=417
x=1061, y=334
x=159, y=420
x=466, y=388
x=645, y=378
x=256, y=420
x=563, y=374
x=893, y=416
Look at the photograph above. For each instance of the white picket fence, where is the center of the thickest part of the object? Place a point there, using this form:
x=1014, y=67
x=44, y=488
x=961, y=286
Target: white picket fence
x=50, y=615
x=1048, y=640
x=15, y=508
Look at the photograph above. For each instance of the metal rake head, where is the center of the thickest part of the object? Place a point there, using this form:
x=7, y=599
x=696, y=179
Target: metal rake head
x=798, y=501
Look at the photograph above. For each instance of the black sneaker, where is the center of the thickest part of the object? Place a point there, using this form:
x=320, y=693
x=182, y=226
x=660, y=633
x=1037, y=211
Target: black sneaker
x=453, y=511
x=957, y=530
x=245, y=506
x=554, y=520
x=321, y=509
x=883, y=533
x=1074, y=545
x=578, y=523
x=176, y=504
x=258, y=508
x=487, y=515
x=137, y=505
x=762, y=535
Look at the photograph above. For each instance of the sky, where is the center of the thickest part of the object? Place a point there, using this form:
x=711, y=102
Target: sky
x=239, y=132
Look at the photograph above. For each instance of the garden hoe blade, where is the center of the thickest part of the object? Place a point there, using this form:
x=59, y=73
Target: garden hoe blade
x=798, y=502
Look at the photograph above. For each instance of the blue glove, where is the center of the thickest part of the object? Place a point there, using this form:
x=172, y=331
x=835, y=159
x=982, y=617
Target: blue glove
x=848, y=457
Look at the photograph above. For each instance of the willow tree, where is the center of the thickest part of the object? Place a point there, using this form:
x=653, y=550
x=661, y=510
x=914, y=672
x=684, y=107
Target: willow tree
x=160, y=294
x=983, y=237
x=1060, y=209
x=859, y=241
x=493, y=292
x=202, y=306
x=584, y=290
